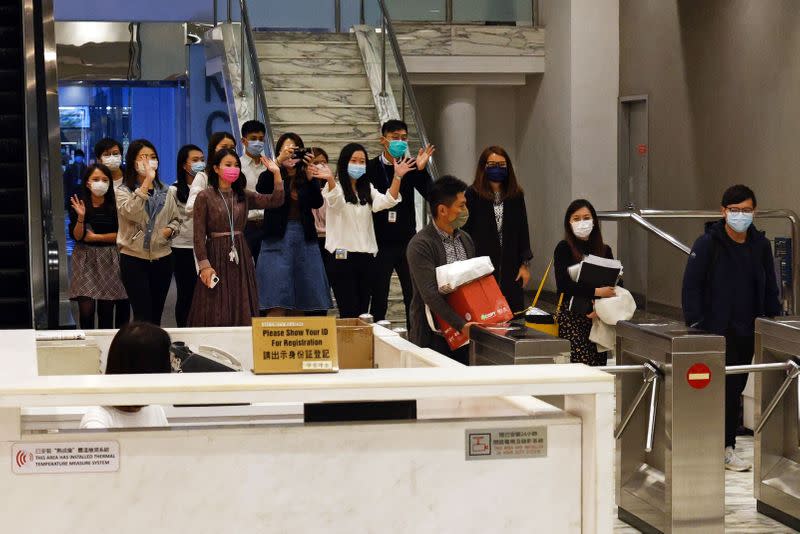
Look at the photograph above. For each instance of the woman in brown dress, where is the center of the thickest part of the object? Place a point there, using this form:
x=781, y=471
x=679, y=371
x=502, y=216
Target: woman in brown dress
x=220, y=215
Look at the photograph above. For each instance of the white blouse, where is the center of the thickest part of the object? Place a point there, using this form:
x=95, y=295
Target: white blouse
x=349, y=226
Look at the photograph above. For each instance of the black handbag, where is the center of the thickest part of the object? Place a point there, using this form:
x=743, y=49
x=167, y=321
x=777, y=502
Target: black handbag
x=184, y=360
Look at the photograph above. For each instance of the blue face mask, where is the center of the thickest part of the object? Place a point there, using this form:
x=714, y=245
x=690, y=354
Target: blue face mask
x=356, y=171
x=198, y=166
x=496, y=174
x=739, y=222
x=255, y=148
x=398, y=148
x=79, y=159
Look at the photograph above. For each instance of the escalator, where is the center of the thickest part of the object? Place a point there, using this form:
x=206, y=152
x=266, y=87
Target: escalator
x=29, y=265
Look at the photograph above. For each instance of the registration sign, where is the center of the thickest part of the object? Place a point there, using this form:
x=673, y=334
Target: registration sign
x=500, y=443
x=294, y=345
x=72, y=457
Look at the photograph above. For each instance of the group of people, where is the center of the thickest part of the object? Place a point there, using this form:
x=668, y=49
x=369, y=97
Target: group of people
x=245, y=235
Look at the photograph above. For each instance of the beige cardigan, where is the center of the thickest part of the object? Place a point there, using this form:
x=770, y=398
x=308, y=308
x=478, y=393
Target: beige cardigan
x=133, y=222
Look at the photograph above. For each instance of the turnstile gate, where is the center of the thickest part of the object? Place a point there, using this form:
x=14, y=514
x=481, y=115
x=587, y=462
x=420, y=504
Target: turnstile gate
x=777, y=437
x=515, y=345
x=670, y=458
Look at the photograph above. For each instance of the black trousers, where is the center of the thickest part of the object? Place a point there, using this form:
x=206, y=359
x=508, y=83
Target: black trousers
x=461, y=354
x=185, y=278
x=738, y=351
x=350, y=279
x=147, y=283
x=390, y=258
x=253, y=235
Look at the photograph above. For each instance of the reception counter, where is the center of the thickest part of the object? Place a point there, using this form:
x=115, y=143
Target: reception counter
x=482, y=454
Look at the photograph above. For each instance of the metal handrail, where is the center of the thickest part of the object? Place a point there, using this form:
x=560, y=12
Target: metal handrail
x=401, y=67
x=640, y=216
x=258, y=86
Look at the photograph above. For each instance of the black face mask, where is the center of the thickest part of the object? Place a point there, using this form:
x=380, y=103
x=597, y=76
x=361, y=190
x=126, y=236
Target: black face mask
x=496, y=174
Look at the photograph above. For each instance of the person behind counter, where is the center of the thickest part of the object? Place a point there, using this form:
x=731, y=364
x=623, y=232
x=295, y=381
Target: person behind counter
x=227, y=295
x=582, y=237
x=138, y=348
x=350, y=236
x=498, y=223
x=148, y=220
x=95, y=281
x=440, y=243
x=729, y=281
x=190, y=162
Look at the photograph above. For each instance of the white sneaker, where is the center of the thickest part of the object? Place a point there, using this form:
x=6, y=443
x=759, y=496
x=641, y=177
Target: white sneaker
x=734, y=463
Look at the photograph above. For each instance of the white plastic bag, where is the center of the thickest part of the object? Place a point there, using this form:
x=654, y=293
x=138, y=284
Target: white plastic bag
x=453, y=275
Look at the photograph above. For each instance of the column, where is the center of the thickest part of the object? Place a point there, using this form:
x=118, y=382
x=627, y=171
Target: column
x=457, y=125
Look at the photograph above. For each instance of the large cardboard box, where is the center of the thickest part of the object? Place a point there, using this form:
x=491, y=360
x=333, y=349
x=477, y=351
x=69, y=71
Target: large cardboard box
x=479, y=301
x=355, y=344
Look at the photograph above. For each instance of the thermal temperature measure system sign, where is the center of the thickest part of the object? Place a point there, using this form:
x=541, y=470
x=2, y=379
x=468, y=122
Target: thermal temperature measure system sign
x=74, y=457
x=698, y=376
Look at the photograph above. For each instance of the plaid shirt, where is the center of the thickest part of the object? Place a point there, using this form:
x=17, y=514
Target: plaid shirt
x=453, y=247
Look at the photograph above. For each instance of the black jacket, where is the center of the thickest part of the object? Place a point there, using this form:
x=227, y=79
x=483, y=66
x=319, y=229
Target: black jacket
x=309, y=196
x=563, y=259
x=708, y=286
x=404, y=228
x=516, y=249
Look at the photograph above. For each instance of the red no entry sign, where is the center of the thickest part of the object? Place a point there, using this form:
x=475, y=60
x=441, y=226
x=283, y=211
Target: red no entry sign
x=698, y=376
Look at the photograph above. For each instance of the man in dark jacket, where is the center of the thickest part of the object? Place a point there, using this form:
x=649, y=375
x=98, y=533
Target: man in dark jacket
x=441, y=242
x=728, y=282
x=394, y=228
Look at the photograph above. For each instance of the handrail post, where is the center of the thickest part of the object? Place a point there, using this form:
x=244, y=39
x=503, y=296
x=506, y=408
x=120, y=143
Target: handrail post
x=216, y=20
x=337, y=15
x=535, y=14
x=383, y=55
x=362, y=14
x=448, y=11
x=230, y=11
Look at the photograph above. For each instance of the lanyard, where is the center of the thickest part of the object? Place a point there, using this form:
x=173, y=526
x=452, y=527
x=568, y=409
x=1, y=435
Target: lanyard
x=233, y=255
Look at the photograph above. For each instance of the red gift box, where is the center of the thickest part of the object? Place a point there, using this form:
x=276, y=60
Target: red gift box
x=479, y=301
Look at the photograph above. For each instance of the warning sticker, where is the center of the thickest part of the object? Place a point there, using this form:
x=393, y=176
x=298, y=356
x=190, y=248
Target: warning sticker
x=499, y=443
x=73, y=457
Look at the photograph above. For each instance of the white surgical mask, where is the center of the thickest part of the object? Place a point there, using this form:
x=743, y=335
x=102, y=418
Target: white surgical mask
x=99, y=188
x=141, y=166
x=582, y=229
x=112, y=162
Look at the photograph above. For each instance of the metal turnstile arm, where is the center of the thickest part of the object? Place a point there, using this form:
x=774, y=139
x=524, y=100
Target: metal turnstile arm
x=651, y=419
x=651, y=376
x=792, y=372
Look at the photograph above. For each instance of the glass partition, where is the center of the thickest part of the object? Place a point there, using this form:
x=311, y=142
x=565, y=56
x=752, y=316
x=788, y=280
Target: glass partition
x=497, y=11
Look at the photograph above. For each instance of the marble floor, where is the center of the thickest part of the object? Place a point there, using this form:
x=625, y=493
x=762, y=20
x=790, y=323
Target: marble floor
x=740, y=506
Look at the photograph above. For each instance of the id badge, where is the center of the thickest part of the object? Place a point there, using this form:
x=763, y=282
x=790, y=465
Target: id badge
x=340, y=254
x=392, y=216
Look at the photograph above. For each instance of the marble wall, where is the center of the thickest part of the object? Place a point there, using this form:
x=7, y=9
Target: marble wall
x=469, y=40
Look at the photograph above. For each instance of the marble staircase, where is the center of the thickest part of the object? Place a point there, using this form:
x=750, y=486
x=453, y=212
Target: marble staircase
x=317, y=87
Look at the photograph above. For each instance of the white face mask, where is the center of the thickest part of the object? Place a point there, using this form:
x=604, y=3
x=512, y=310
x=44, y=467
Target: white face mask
x=142, y=167
x=112, y=162
x=99, y=188
x=582, y=229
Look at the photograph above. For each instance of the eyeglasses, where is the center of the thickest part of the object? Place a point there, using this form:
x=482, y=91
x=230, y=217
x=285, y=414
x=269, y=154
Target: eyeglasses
x=740, y=210
x=495, y=164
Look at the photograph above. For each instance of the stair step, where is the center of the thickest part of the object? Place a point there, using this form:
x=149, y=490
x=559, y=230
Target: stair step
x=314, y=66
x=13, y=255
x=323, y=115
x=12, y=199
x=318, y=97
x=338, y=38
x=318, y=49
x=314, y=81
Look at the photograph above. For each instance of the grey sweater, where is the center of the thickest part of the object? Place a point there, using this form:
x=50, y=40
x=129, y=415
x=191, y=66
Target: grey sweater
x=425, y=253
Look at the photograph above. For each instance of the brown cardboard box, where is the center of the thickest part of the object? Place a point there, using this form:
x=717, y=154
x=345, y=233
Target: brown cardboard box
x=355, y=345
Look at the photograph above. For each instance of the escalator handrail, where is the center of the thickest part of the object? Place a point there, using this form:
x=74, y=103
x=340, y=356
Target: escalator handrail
x=401, y=68
x=258, y=85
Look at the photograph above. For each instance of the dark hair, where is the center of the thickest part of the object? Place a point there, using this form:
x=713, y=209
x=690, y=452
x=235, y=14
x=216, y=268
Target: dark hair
x=213, y=178
x=109, y=202
x=363, y=194
x=79, y=152
x=283, y=138
x=180, y=175
x=510, y=188
x=736, y=194
x=104, y=144
x=317, y=151
x=596, y=245
x=129, y=175
x=139, y=348
x=393, y=125
x=253, y=126
x=215, y=139
x=444, y=191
